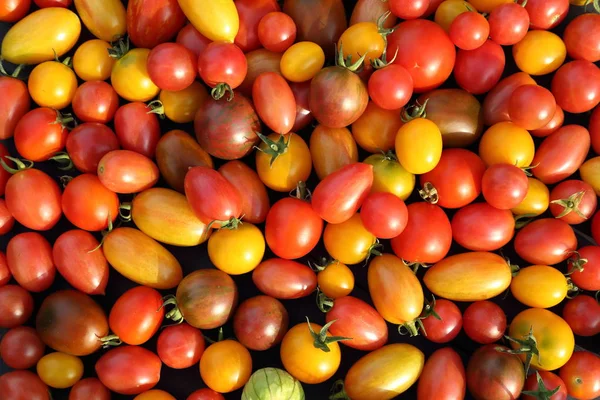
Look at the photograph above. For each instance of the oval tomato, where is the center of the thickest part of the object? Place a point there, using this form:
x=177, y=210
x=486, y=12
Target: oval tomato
x=180, y=346
x=88, y=204
x=555, y=124
x=575, y=95
x=107, y=20
x=15, y=103
x=284, y=279
x=478, y=71
x=95, y=101
x=16, y=306
x=536, y=200
x=585, y=274
x=419, y=156
x=60, y=370
x=484, y=322
x=21, y=348
x=546, y=241
x=181, y=106
x=507, y=143
x=89, y=388
x=375, y=131
x=302, y=61
x=125, y=171
x=495, y=105
x=331, y=149
x=274, y=102
x=130, y=79
x=384, y=215
x=470, y=233
x=152, y=22
x=225, y=366
x=276, y=31
x=539, y=52
x=494, y=374
x=573, y=201
x=551, y=286
x=92, y=62
x=504, y=186
x=13, y=383
x=260, y=322
x=129, y=369
x=580, y=375
x=335, y=279
x=255, y=199
x=29, y=258
x=582, y=313
x=237, y=251
x=218, y=21
x=589, y=173
x=41, y=133
x=250, y=13
x=588, y=50
x=443, y=372
x=531, y=106
x=259, y=61
x=88, y=143
x=171, y=66
x=547, y=14
x=349, y=242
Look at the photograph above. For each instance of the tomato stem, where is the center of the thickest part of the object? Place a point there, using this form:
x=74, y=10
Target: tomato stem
x=324, y=303
x=415, y=111
x=572, y=289
x=410, y=328
x=429, y=193
x=338, y=392
x=321, y=340
x=527, y=346
x=156, y=107
x=119, y=49
x=576, y=263
x=301, y=191
x=174, y=314
x=110, y=341
x=346, y=62
x=527, y=169
x=64, y=161
x=542, y=392
x=274, y=149
x=571, y=204
x=324, y=263
x=232, y=223
x=522, y=220
x=125, y=211
x=15, y=73
x=219, y=91
x=429, y=309
x=22, y=164
x=375, y=250
x=64, y=180
x=384, y=32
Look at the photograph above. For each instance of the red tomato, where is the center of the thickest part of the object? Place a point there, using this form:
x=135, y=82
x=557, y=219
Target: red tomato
x=443, y=374
x=23, y=385
x=409, y=9
x=531, y=106
x=391, y=87
x=29, y=257
x=40, y=134
x=484, y=322
x=504, y=186
x=587, y=278
x=255, y=199
x=427, y=237
x=14, y=102
x=53, y=3
x=205, y=394
x=546, y=14
x=582, y=313
x=581, y=375
x=426, y=52
x=260, y=323
x=88, y=204
x=4, y=173
x=546, y=241
x=5, y=274
x=304, y=116
x=21, y=348
x=136, y=315
x=576, y=86
x=596, y=227
x=171, y=66
x=125, y=171
x=494, y=374
x=276, y=31
x=339, y=196
x=478, y=71
x=192, y=40
x=469, y=231
x=7, y=221
x=550, y=382
x=274, y=102
x=509, y=23
x=594, y=128
x=84, y=269
x=89, y=389
x=284, y=279
x=180, y=346
x=137, y=128
x=222, y=66
x=588, y=26
x=13, y=10
x=250, y=13
x=129, y=370
x=555, y=124
x=95, y=101
x=16, y=306
x=445, y=328
x=88, y=143
x=469, y=30
x=152, y=22
x=495, y=105
x=573, y=201
x=384, y=215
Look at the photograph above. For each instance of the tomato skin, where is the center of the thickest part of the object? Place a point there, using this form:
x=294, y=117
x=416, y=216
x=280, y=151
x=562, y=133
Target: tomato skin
x=335, y=280
x=129, y=369
x=376, y=129
x=40, y=134
x=106, y=21
x=192, y=40
x=125, y=171
x=446, y=329
x=573, y=95
x=422, y=155
x=302, y=61
x=181, y=106
x=391, y=87
x=580, y=375
x=582, y=313
x=21, y=348
x=259, y=61
x=384, y=215
x=551, y=286
x=470, y=233
x=92, y=62
x=137, y=128
x=360, y=39
x=589, y=277
x=478, y=71
x=12, y=384
x=274, y=102
x=546, y=241
x=551, y=382
x=130, y=79
x=251, y=13
x=137, y=315
x=59, y=370
x=218, y=21
x=370, y=11
x=331, y=149
x=89, y=389
x=154, y=394
x=504, y=186
x=284, y=279
x=52, y=84
x=276, y=31
x=495, y=105
x=12, y=11
x=180, y=346
x=88, y=204
x=14, y=104
x=164, y=18
x=255, y=199
x=594, y=129
x=304, y=116
x=492, y=374
x=536, y=201
x=171, y=66
x=5, y=274
x=586, y=206
x=95, y=101
x=226, y=366
x=17, y=306
x=29, y=258
x=589, y=50
x=237, y=251
x=84, y=270
x=539, y=53
x=443, y=372
x=589, y=173
x=447, y=11
x=555, y=124
x=469, y=31
x=205, y=394
x=509, y=23
x=531, y=106
x=349, y=242
x=7, y=221
x=507, y=143
x=260, y=322
x=222, y=62
x=484, y=322
x=547, y=14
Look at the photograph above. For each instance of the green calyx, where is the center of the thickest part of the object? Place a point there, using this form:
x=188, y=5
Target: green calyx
x=522, y=220
x=347, y=61
x=156, y=107
x=21, y=164
x=321, y=340
x=571, y=204
x=376, y=249
x=64, y=161
x=125, y=211
x=429, y=193
x=576, y=263
x=301, y=192
x=542, y=392
x=220, y=90
x=119, y=49
x=110, y=341
x=415, y=111
x=15, y=73
x=338, y=392
x=324, y=303
x=231, y=223
x=174, y=314
x=527, y=345
x=274, y=148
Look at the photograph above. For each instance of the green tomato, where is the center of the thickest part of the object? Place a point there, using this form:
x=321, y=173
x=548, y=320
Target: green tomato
x=272, y=384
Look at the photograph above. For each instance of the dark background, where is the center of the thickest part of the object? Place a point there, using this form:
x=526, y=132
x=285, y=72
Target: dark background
x=180, y=383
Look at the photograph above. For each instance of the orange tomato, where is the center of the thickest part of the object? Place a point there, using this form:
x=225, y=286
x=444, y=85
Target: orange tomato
x=336, y=280
x=92, y=62
x=181, y=106
x=106, y=19
x=375, y=131
x=507, y=143
x=225, y=366
x=331, y=149
x=52, y=84
x=539, y=52
x=301, y=61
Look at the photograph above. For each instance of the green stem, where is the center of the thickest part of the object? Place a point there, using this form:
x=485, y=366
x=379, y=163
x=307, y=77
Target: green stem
x=64, y=161
x=125, y=212
x=110, y=341
x=338, y=392
x=22, y=164
x=156, y=107
x=220, y=90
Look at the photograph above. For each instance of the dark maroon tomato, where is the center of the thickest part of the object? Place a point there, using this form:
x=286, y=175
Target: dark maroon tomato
x=587, y=278
x=29, y=257
x=573, y=201
x=492, y=374
x=484, y=322
x=284, y=279
x=276, y=31
x=509, y=23
x=7, y=221
x=274, y=102
x=226, y=129
x=504, y=186
x=137, y=128
x=88, y=143
x=304, y=116
x=469, y=30
x=171, y=66
x=180, y=346
x=53, y=3
x=546, y=14
x=576, y=86
x=594, y=128
x=443, y=373
x=129, y=370
x=555, y=124
x=531, y=106
x=16, y=306
x=250, y=13
x=260, y=322
x=588, y=26
x=596, y=227
x=384, y=215
x=152, y=22
x=550, y=382
x=391, y=87
x=40, y=134
x=21, y=348
x=478, y=71
x=357, y=320
x=125, y=171
x=95, y=101
x=89, y=389
x=192, y=40
x=495, y=105
x=546, y=241
x=23, y=385
x=409, y=9
x=427, y=237
x=14, y=104
x=456, y=179
x=4, y=174
x=449, y=324
x=481, y=227
x=73, y=312
x=222, y=66
x=582, y=313
x=5, y=274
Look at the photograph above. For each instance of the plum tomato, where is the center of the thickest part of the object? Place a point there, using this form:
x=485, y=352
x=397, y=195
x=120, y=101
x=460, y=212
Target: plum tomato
x=129, y=369
x=16, y=306
x=546, y=14
x=335, y=279
x=384, y=215
x=585, y=268
x=331, y=149
x=95, y=101
x=180, y=346
x=41, y=133
x=555, y=124
x=125, y=171
x=88, y=143
x=171, y=66
x=531, y=106
x=391, y=87
x=89, y=389
x=484, y=322
x=481, y=227
x=137, y=128
x=444, y=372
x=88, y=204
x=479, y=70
x=349, y=242
x=92, y=61
x=375, y=131
x=469, y=30
x=60, y=370
x=301, y=61
x=494, y=374
x=539, y=53
x=223, y=67
x=274, y=102
x=443, y=321
x=151, y=22
x=546, y=241
x=588, y=49
x=276, y=31
x=12, y=386
x=536, y=201
x=582, y=313
x=21, y=348
x=509, y=23
x=581, y=375
x=504, y=186
x=573, y=201
x=29, y=258
x=419, y=145
x=284, y=279
x=576, y=86
x=260, y=322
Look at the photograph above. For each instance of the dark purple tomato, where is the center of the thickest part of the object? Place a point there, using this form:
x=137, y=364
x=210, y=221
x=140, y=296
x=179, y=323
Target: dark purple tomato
x=21, y=348
x=260, y=322
x=492, y=374
x=484, y=322
x=481, y=227
x=16, y=306
x=449, y=324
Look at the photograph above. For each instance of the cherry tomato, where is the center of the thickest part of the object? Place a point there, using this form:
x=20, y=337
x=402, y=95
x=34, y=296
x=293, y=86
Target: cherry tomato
x=507, y=143
x=137, y=128
x=504, y=186
x=205, y=394
x=41, y=133
x=106, y=21
x=130, y=79
x=222, y=63
x=284, y=279
x=479, y=70
x=469, y=30
x=587, y=278
x=384, y=215
x=495, y=105
x=547, y=14
x=237, y=251
x=7, y=221
x=92, y=61
x=260, y=322
x=14, y=10
x=573, y=201
x=574, y=94
x=14, y=103
x=150, y=22
x=89, y=389
x=494, y=374
x=276, y=31
x=88, y=143
x=5, y=274
x=52, y=84
x=509, y=23
x=555, y=124
x=581, y=375
x=88, y=204
x=60, y=370
x=349, y=242
x=443, y=372
x=136, y=315
x=129, y=369
x=274, y=102
x=409, y=9
x=181, y=106
x=335, y=280
x=539, y=53
x=225, y=366
x=419, y=156
x=16, y=306
x=95, y=101
x=551, y=286
x=180, y=346
x=171, y=66
x=546, y=241
x=375, y=131
x=13, y=384
x=29, y=257
x=550, y=382
x=250, y=14
x=125, y=171
x=21, y=348
x=391, y=87
x=192, y=40
x=582, y=313
x=301, y=61
x=589, y=49
x=470, y=233
x=445, y=328
x=531, y=106
x=484, y=322
x=448, y=10
x=363, y=38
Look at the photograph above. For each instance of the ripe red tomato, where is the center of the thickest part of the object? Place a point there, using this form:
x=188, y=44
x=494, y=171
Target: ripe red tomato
x=443, y=373
x=95, y=101
x=7, y=221
x=391, y=87
x=125, y=171
x=581, y=375
x=137, y=128
x=469, y=30
x=151, y=22
x=274, y=102
x=582, y=313
x=14, y=103
x=16, y=306
x=222, y=66
x=29, y=257
x=53, y=3
x=250, y=13
x=479, y=70
x=171, y=66
x=276, y=31
x=260, y=323
x=5, y=274
x=531, y=106
x=470, y=233
x=495, y=105
x=588, y=26
x=509, y=23
x=284, y=279
x=192, y=40
x=180, y=346
x=573, y=201
x=504, y=186
x=408, y=9
x=89, y=389
x=19, y=385
x=21, y=348
x=384, y=215
x=550, y=381
x=205, y=394
x=555, y=124
x=40, y=134
x=576, y=86
x=255, y=199
x=484, y=322
x=14, y=10
x=88, y=143
x=546, y=241
x=445, y=328
x=129, y=370
x=547, y=14
x=88, y=204
x=4, y=173
x=587, y=278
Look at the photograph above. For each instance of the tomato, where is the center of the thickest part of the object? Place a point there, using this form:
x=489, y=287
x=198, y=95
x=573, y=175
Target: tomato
x=422, y=155
x=573, y=201
x=125, y=171
x=180, y=346
x=225, y=366
x=52, y=84
x=427, y=237
x=192, y=40
x=594, y=129
x=89, y=388
x=384, y=215
x=137, y=128
x=553, y=335
x=456, y=179
x=389, y=176
x=494, y=374
x=555, y=124
x=469, y=276
x=60, y=370
x=547, y=14
x=260, y=322
x=276, y=31
x=152, y=22
x=16, y=306
x=484, y=322
x=284, y=279
x=507, y=143
x=589, y=173
x=546, y=241
x=302, y=61
x=218, y=21
x=74, y=312
x=509, y=23
x=106, y=21
x=274, y=102
x=539, y=53
x=478, y=71
x=409, y=9
x=255, y=199
x=495, y=105
x=92, y=61
x=589, y=49
x=445, y=328
x=5, y=274
x=504, y=186
x=41, y=133
x=88, y=204
x=29, y=258
x=181, y=106
x=154, y=394
x=332, y=149
x=304, y=116
x=390, y=87
x=375, y=131
x=469, y=231
x=259, y=61
x=14, y=103
x=587, y=278
x=222, y=66
x=14, y=10
x=41, y=36
x=349, y=242
x=544, y=381
x=237, y=251
x=86, y=270
x=21, y=348
x=551, y=286
x=448, y=10
x=205, y=394
x=12, y=386
x=95, y=101
x=525, y=115
x=582, y=313
x=130, y=78
x=572, y=93
x=443, y=372
x=250, y=14
x=363, y=38
x=433, y=6
x=7, y=222
x=580, y=375
x=171, y=66
x=129, y=369
x=370, y=11
x=469, y=31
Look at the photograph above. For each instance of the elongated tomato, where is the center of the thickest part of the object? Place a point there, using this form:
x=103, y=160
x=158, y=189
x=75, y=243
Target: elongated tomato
x=549, y=286
x=125, y=171
x=215, y=19
x=284, y=279
x=469, y=276
x=141, y=259
x=275, y=102
x=255, y=199
x=106, y=19
x=444, y=372
x=14, y=104
x=41, y=36
x=151, y=22
x=29, y=258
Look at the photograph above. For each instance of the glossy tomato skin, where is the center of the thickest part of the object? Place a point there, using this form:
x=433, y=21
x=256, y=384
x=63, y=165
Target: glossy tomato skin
x=250, y=14
x=443, y=372
x=384, y=215
x=446, y=329
x=586, y=206
x=546, y=241
x=509, y=23
x=205, y=394
x=580, y=375
x=12, y=384
x=192, y=40
x=39, y=134
x=484, y=322
x=335, y=280
x=237, y=251
x=129, y=369
x=52, y=84
x=95, y=101
x=301, y=62
x=583, y=49
x=478, y=71
x=469, y=31
x=259, y=61
x=181, y=106
x=331, y=149
x=304, y=116
x=471, y=232
x=92, y=62
x=419, y=156
x=504, y=186
x=16, y=306
x=14, y=10
x=15, y=103
x=171, y=66
x=539, y=52
x=226, y=366
x=370, y=11
x=129, y=76
x=551, y=286
x=376, y=129
x=137, y=315
x=88, y=204
x=274, y=102
x=29, y=257
x=531, y=106
x=555, y=124
x=137, y=128
x=21, y=348
x=284, y=279
x=574, y=95
x=88, y=143
x=547, y=14
x=276, y=31
x=5, y=274
x=390, y=87
x=125, y=171
x=180, y=346
x=536, y=201
x=89, y=389
x=152, y=22
x=492, y=374
x=349, y=242
x=588, y=278
x=222, y=62
x=582, y=313
x=495, y=105
x=59, y=370
x=551, y=382
x=255, y=201
x=260, y=322
x=106, y=21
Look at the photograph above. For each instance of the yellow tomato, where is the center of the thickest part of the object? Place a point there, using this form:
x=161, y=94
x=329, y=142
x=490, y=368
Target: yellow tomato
x=154, y=395
x=486, y=6
x=537, y=200
x=336, y=280
x=331, y=149
x=92, y=62
x=539, y=52
x=450, y=9
x=292, y=163
x=225, y=366
x=419, y=145
x=375, y=131
x=349, y=242
x=181, y=106
x=390, y=177
x=41, y=36
x=360, y=39
x=60, y=370
x=130, y=77
x=218, y=20
x=237, y=251
x=590, y=173
x=302, y=61
x=106, y=19
x=507, y=143
x=52, y=84
x=550, y=285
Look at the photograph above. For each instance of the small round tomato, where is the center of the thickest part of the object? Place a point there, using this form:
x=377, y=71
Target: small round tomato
x=180, y=346
x=349, y=242
x=129, y=369
x=223, y=67
x=95, y=101
x=237, y=251
x=16, y=306
x=335, y=279
x=130, y=79
x=88, y=389
x=419, y=145
x=92, y=61
x=551, y=286
x=88, y=143
x=469, y=30
x=181, y=106
x=41, y=133
x=504, y=186
x=260, y=322
x=573, y=94
x=384, y=215
x=284, y=279
x=362, y=39
x=582, y=313
x=52, y=84
x=448, y=10
x=495, y=104
x=276, y=31
x=536, y=201
x=443, y=322
x=581, y=375
x=21, y=348
x=589, y=49
x=478, y=71
x=531, y=106
x=29, y=258
x=171, y=66
x=509, y=23
x=60, y=370
x=389, y=176
x=573, y=201
x=88, y=204
x=375, y=131
x=539, y=52
x=546, y=14
x=391, y=87
x=546, y=241
x=586, y=275
x=544, y=382
x=23, y=385
x=225, y=366
x=484, y=322
x=470, y=233
x=302, y=61
x=507, y=143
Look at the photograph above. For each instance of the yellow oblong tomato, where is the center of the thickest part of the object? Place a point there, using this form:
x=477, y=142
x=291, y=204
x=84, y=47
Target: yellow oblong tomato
x=130, y=77
x=469, y=276
x=539, y=286
x=52, y=84
x=41, y=36
x=419, y=145
x=360, y=39
x=336, y=280
x=106, y=19
x=375, y=131
x=218, y=20
x=331, y=149
x=537, y=200
x=539, y=52
x=237, y=251
x=486, y=6
x=349, y=242
x=448, y=10
x=301, y=61
x=507, y=143
x=92, y=61
x=590, y=173
x=384, y=373
x=60, y=370
x=165, y=215
x=225, y=366
x=181, y=106
x=141, y=259
x=389, y=176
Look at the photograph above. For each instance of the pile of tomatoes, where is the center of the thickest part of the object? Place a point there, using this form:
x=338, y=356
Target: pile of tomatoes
x=316, y=199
